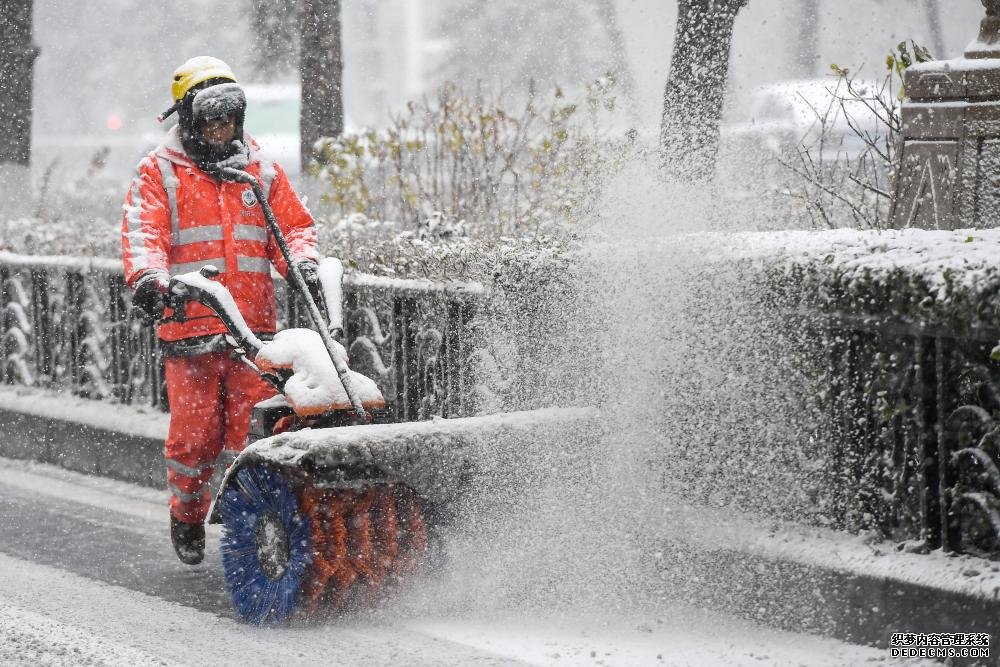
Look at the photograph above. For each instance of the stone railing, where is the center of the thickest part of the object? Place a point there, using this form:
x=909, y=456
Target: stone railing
x=65, y=324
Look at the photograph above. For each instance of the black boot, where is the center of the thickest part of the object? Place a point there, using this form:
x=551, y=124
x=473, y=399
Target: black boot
x=189, y=541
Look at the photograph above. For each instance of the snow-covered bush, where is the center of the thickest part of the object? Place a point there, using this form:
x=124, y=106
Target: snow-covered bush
x=462, y=158
x=436, y=249
x=895, y=333
x=531, y=281
x=801, y=375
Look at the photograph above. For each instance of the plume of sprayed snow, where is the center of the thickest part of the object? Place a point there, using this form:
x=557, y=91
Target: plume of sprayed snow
x=666, y=336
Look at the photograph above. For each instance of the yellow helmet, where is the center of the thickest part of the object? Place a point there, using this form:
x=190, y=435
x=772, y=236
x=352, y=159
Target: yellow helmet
x=196, y=70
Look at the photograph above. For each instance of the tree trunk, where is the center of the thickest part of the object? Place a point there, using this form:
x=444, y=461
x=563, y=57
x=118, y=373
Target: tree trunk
x=321, y=69
x=696, y=87
x=17, y=60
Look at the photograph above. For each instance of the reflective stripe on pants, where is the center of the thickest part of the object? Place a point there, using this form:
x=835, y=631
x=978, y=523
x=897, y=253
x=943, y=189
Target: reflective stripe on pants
x=210, y=397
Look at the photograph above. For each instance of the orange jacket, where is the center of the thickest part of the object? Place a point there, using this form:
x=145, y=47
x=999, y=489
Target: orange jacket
x=188, y=219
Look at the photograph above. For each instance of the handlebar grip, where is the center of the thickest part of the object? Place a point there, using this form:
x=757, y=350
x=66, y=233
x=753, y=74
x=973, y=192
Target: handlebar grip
x=177, y=295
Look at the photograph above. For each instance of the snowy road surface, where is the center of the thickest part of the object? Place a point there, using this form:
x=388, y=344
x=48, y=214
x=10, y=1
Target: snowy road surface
x=89, y=578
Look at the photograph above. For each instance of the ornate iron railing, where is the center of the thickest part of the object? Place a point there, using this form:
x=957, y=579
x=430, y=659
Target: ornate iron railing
x=65, y=324
x=913, y=432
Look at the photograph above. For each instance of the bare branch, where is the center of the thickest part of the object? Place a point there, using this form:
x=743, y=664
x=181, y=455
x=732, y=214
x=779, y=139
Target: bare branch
x=854, y=208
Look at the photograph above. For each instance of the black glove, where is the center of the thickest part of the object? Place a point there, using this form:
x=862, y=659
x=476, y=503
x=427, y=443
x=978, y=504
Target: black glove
x=310, y=274
x=148, y=302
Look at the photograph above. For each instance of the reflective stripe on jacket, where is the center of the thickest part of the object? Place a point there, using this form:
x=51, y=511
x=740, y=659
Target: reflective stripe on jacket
x=178, y=219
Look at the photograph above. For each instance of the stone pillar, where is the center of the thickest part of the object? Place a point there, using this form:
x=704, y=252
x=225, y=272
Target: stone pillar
x=948, y=163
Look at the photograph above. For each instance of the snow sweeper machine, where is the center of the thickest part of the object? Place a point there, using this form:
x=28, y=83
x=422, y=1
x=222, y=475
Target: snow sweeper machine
x=303, y=533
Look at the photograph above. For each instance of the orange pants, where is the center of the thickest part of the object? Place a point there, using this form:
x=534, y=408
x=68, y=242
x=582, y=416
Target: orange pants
x=210, y=400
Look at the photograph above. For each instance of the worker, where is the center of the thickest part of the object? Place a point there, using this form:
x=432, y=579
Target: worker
x=181, y=214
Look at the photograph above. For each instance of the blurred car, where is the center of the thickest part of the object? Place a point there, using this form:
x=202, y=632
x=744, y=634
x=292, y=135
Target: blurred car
x=779, y=118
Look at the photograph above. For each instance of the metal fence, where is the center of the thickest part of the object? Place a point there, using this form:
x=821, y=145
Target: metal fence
x=911, y=430
x=65, y=324
x=913, y=433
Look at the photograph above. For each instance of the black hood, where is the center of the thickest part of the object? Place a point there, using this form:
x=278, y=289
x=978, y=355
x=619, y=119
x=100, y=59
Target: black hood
x=212, y=99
